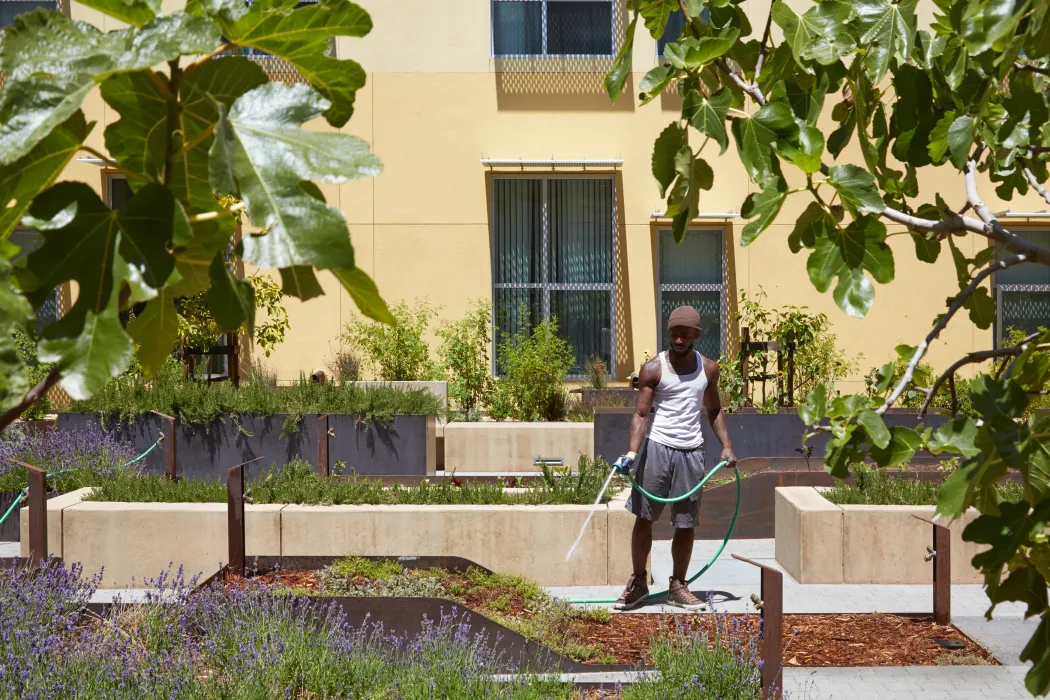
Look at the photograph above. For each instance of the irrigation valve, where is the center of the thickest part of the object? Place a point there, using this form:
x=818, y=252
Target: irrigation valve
x=930, y=553
x=757, y=602
x=331, y=432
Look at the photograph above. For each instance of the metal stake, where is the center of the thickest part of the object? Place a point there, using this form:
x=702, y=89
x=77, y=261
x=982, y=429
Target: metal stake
x=168, y=437
x=37, y=515
x=322, y=446
x=942, y=575
x=235, y=516
x=771, y=609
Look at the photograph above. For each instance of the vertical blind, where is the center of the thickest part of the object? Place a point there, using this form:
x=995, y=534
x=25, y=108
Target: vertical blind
x=692, y=274
x=1023, y=294
x=553, y=257
x=552, y=27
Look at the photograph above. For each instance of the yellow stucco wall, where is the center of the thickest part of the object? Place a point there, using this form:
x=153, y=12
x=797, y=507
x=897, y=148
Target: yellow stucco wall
x=436, y=103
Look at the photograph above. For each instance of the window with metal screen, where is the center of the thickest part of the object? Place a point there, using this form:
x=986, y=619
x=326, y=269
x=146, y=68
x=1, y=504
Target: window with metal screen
x=9, y=9
x=692, y=273
x=1022, y=294
x=553, y=255
x=553, y=27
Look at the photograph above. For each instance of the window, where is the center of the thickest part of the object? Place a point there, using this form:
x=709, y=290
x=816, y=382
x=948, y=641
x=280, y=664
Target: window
x=553, y=27
x=118, y=191
x=1022, y=294
x=554, y=253
x=673, y=30
x=9, y=9
x=692, y=273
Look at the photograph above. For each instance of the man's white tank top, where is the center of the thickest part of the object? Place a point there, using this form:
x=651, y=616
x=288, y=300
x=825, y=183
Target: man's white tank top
x=678, y=403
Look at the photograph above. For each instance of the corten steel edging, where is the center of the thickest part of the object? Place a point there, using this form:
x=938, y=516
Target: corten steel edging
x=772, y=611
x=235, y=516
x=168, y=438
x=322, y=445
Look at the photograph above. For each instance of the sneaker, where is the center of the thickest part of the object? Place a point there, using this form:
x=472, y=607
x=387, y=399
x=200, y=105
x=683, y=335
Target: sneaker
x=634, y=595
x=679, y=596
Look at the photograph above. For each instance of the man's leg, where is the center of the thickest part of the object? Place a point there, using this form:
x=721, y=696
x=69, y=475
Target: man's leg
x=681, y=550
x=641, y=544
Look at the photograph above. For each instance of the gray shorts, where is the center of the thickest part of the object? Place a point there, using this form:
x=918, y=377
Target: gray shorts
x=667, y=472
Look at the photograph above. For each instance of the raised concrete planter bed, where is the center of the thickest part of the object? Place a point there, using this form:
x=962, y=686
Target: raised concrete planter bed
x=818, y=541
x=514, y=446
x=753, y=434
x=133, y=541
x=405, y=446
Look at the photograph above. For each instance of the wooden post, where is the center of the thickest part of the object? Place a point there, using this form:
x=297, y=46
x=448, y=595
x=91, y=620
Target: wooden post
x=942, y=575
x=169, y=424
x=780, y=379
x=235, y=518
x=771, y=607
x=233, y=362
x=791, y=374
x=322, y=446
x=37, y=515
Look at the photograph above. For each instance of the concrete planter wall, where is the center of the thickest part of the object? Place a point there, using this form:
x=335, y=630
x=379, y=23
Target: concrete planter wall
x=753, y=434
x=513, y=447
x=133, y=541
x=818, y=541
x=406, y=446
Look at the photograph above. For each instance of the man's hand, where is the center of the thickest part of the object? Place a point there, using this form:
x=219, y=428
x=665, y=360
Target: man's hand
x=624, y=463
x=729, y=457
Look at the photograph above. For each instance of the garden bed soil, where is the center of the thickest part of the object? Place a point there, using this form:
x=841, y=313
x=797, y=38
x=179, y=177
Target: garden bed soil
x=811, y=640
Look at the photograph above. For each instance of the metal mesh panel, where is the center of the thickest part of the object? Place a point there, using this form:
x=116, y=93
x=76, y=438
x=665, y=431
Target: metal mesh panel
x=517, y=28
x=1025, y=311
x=709, y=304
x=585, y=321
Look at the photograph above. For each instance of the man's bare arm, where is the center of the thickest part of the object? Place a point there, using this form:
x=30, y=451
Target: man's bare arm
x=713, y=405
x=648, y=380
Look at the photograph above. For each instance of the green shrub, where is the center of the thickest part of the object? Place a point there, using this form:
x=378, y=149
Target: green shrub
x=535, y=365
x=597, y=372
x=465, y=354
x=396, y=353
x=923, y=378
x=35, y=371
x=817, y=358
x=196, y=403
x=880, y=487
x=298, y=483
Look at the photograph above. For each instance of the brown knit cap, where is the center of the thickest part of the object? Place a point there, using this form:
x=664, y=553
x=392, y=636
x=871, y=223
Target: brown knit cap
x=684, y=316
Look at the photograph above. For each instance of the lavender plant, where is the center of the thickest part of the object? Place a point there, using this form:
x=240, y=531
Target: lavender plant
x=84, y=457
x=724, y=664
x=237, y=645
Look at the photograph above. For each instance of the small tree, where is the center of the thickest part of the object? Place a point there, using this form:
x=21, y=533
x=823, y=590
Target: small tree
x=205, y=126
x=465, y=353
x=967, y=93
x=396, y=352
x=534, y=364
x=198, y=328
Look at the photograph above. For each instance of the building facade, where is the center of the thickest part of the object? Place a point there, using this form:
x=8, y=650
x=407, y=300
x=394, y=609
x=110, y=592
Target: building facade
x=508, y=175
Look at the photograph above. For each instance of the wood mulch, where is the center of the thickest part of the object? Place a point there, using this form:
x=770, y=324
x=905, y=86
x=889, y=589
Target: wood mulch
x=809, y=640
x=874, y=639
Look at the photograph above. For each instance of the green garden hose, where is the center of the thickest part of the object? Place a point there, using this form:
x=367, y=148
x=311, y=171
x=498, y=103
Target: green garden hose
x=711, y=561
x=25, y=492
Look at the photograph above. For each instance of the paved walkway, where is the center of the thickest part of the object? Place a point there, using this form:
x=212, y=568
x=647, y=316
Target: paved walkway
x=907, y=683
x=9, y=549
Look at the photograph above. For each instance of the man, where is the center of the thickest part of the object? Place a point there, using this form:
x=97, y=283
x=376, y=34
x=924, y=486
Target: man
x=678, y=385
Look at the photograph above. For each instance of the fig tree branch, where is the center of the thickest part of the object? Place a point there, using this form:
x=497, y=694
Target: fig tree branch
x=942, y=323
x=1030, y=176
x=973, y=358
